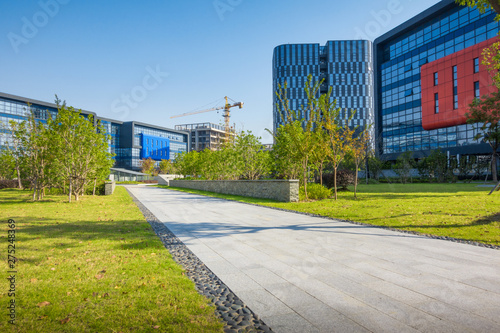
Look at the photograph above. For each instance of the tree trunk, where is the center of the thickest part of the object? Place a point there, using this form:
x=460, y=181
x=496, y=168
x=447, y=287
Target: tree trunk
x=321, y=173
x=355, y=181
x=335, y=182
x=95, y=184
x=367, y=172
x=69, y=190
x=305, y=178
x=34, y=190
x=19, y=184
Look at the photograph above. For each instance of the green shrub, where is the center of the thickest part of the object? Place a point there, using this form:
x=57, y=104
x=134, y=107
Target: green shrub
x=315, y=192
x=344, y=179
x=99, y=189
x=8, y=183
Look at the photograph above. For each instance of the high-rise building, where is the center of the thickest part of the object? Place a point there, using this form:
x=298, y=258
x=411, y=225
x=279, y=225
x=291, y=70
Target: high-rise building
x=345, y=66
x=427, y=72
x=130, y=141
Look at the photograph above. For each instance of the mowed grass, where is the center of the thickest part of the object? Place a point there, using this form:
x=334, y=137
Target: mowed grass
x=462, y=211
x=94, y=266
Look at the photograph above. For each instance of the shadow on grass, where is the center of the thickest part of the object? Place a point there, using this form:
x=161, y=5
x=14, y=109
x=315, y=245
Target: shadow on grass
x=126, y=234
x=484, y=220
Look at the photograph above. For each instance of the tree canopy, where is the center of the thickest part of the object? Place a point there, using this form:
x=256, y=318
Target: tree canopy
x=69, y=152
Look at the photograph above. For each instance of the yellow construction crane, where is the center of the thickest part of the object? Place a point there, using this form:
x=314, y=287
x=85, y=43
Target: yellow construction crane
x=226, y=114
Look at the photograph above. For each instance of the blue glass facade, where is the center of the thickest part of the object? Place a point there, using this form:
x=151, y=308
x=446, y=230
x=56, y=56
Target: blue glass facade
x=442, y=30
x=125, y=139
x=155, y=147
x=345, y=66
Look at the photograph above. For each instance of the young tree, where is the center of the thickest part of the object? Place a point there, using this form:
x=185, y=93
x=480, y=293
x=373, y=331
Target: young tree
x=485, y=112
x=39, y=148
x=147, y=166
x=286, y=160
x=339, y=137
x=254, y=161
x=187, y=163
x=101, y=159
x=8, y=163
x=320, y=151
x=80, y=149
x=359, y=150
x=302, y=123
x=166, y=167
x=14, y=146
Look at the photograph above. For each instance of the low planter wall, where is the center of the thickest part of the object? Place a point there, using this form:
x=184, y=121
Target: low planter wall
x=109, y=187
x=280, y=190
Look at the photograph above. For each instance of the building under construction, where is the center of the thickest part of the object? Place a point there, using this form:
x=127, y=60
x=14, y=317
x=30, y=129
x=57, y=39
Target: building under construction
x=205, y=135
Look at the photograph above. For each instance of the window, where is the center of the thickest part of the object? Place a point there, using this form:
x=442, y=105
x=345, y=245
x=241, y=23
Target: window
x=476, y=65
x=455, y=84
x=436, y=79
x=436, y=103
x=476, y=89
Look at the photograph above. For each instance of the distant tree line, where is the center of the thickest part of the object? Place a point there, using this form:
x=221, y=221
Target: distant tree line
x=303, y=149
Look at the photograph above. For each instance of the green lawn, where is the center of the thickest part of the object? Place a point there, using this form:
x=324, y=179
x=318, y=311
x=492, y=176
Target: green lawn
x=455, y=210
x=94, y=266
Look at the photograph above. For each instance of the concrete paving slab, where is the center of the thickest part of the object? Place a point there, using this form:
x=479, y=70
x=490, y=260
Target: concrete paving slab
x=264, y=303
x=309, y=274
x=291, y=322
x=328, y=320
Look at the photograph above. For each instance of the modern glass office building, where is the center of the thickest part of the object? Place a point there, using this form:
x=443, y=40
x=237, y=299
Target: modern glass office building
x=345, y=66
x=129, y=141
x=428, y=70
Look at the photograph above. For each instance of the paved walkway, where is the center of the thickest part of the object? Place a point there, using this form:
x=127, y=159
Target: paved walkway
x=306, y=274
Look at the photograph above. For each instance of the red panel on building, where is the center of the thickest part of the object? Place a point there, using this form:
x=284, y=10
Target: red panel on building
x=464, y=60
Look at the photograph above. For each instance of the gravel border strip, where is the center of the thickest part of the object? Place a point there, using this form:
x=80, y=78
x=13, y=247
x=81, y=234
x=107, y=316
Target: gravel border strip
x=230, y=308
x=450, y=239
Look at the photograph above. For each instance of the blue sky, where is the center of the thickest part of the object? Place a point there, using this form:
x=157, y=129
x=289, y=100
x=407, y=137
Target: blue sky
x=149, y=60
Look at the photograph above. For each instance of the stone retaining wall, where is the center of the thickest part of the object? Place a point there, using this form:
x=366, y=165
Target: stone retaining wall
x=280, y=190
